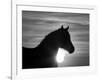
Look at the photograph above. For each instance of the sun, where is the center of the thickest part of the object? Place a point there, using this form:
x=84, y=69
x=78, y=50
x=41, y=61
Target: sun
x=60, y=55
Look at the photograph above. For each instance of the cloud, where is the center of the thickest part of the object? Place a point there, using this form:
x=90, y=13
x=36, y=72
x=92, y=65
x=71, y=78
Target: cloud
x=54, y=17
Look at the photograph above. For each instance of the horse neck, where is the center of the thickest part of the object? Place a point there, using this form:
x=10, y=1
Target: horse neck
x=50, y=43
x=49, y=46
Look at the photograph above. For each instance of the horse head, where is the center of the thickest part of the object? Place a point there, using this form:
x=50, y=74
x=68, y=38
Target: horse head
x=65, y=40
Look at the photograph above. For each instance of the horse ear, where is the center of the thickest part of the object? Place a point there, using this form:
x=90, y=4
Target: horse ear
x=67, y=28
x=62, y=27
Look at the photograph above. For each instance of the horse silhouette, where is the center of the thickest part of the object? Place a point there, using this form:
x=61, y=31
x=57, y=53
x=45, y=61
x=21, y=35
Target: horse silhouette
x=43, y=55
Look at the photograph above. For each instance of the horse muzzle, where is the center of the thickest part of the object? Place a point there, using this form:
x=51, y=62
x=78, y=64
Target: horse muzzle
x=71, y=50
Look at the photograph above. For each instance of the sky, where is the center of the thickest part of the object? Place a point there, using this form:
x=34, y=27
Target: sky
x=36, y=25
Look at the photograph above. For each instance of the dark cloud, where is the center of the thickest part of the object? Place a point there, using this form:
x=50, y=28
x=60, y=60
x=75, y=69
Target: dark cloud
x=56, y=17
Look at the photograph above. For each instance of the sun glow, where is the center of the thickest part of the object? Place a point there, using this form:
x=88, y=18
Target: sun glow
x=60, y=55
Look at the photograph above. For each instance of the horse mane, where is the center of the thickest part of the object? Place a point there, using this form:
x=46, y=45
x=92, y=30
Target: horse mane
x=49, y=37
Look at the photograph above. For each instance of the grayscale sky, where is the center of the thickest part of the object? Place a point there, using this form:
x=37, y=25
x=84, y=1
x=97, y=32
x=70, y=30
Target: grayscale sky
x=36, y=25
